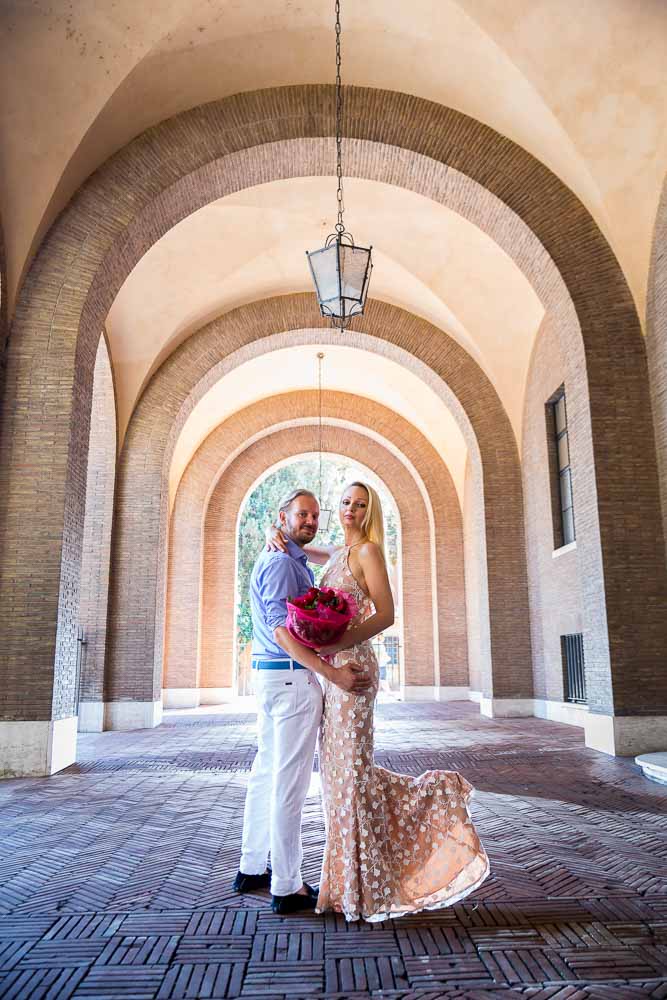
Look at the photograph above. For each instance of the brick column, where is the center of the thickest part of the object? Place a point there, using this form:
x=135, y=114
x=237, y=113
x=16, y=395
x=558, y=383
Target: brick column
x=554, y=576
x=4, y=326
x=97, y=545
x=43, y=455
x=656, y=344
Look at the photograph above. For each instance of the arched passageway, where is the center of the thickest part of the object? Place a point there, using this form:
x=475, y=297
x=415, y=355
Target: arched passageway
x=439, y=566
x=162, y=170
x=184, y=379
x=219, y=556
x=395, y=136
x=328, y=474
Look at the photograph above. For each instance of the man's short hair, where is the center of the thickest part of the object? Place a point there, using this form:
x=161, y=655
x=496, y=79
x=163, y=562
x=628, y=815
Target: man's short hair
x=287, y=500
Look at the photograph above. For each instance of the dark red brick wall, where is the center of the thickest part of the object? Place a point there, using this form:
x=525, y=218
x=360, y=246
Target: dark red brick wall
x=555, y=593
x=656, y=343
x=4, y=323
x=477, y=603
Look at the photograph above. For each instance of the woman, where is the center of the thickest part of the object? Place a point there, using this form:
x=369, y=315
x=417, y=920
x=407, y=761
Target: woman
x=395, y=844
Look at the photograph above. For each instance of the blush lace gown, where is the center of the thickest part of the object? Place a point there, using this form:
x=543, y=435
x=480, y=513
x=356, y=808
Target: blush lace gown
x=394, y=844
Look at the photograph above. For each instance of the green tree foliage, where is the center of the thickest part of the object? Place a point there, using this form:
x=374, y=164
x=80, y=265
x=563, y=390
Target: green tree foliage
x=261, y=509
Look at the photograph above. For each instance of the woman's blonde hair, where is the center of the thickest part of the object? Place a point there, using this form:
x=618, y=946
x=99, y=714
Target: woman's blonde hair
x=373, y=524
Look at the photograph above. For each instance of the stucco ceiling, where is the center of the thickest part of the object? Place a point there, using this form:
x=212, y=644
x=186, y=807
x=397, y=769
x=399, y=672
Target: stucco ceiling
x=580, y=86
x=250, y=245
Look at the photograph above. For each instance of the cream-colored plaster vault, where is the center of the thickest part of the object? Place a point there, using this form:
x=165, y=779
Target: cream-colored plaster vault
x=80, y=81
x=427, y=259
x=580, y=86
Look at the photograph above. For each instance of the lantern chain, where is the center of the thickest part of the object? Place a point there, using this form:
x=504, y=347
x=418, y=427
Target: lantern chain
x=351, y=289
x=340, y=226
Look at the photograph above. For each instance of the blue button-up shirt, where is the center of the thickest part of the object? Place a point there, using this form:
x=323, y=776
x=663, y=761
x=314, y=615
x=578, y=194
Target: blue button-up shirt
x=275, y=577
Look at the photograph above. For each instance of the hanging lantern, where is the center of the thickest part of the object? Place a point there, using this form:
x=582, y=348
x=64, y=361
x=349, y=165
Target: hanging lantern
x=341, y=271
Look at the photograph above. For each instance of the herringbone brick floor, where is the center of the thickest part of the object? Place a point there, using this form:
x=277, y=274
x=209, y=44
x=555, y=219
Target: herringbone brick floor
x=115, y=874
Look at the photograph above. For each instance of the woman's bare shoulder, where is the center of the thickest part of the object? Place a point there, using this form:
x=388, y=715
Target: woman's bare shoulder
x=369, y=550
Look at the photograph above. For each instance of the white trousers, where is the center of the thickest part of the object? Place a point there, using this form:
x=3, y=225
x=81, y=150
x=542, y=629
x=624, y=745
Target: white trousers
x=289, y=711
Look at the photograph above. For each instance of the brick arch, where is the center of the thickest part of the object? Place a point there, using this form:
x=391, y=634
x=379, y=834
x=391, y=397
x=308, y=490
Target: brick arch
x=656, y=342
x=156, y=180
x=138, y=573
x=220, y=449
x=219, y=546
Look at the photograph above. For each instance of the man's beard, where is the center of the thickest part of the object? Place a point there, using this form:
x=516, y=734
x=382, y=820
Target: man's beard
x=303, y=535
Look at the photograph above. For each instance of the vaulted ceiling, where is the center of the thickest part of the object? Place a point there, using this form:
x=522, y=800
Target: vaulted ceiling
x=581, y=86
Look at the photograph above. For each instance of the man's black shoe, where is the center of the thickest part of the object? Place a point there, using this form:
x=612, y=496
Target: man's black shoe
x=294, y=903
x=246, y=883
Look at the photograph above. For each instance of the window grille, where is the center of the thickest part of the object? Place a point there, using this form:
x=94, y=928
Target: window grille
x=564, y=528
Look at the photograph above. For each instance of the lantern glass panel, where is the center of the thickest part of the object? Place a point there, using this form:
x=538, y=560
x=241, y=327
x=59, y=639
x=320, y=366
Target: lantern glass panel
x=353, y=262
x=324, y=265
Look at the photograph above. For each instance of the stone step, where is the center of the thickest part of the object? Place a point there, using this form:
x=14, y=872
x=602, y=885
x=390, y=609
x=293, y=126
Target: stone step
x=654, y=766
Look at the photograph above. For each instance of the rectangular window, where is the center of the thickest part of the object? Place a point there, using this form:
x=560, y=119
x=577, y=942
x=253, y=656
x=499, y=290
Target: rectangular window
x=559, y=451
x=574, y=676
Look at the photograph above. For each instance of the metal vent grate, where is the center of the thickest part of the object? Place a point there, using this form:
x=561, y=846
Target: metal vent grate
x=572, y=651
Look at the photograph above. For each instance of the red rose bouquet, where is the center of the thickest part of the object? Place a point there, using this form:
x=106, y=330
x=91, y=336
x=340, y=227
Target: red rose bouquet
x=320, y=617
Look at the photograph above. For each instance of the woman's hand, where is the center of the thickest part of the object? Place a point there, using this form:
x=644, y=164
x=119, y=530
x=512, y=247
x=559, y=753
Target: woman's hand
x=275, y=540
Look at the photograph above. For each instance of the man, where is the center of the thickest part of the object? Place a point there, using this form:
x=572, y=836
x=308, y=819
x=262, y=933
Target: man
x=289, y=710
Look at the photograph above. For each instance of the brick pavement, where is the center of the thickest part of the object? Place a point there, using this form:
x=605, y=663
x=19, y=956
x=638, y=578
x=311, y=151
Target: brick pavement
x=115, y=874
